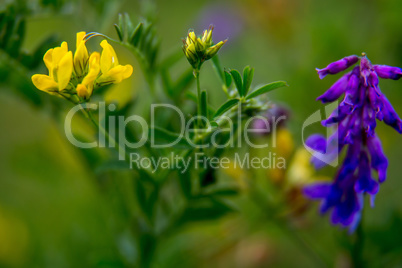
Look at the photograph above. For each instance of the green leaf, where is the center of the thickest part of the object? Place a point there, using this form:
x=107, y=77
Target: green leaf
x=228, y=79
x=164, y=137
x=204, y=104
x=226, y=106
x=135, y=38
x=119, y=33
x=128, y=24
x=121, y=21
x=248, y=74
x=237, y=80
x=265, y=89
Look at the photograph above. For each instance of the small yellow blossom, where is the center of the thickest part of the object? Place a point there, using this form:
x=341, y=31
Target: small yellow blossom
x=59, y=62
x=81, y=55
x=79, y=75
x=197, y=50
x=112, y=71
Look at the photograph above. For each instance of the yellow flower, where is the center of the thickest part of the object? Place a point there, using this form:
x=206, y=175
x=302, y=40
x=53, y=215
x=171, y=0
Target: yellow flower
x=197, y=50
x=81, y=55
x=85, y=89
x=78, y=76
x=112, y=71
x=59, y=62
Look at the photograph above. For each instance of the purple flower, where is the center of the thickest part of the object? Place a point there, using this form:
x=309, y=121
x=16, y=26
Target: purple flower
x=356, y=117
x=338, y=66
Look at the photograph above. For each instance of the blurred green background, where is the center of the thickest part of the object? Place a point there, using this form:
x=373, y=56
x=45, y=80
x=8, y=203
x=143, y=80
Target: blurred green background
x=58, y=208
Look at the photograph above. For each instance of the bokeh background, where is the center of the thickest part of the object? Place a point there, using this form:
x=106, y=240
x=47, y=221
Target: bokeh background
x=60, y=208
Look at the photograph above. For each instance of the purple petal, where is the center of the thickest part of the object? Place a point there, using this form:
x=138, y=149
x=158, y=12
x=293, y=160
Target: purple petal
x=352, y=87
x=317, y=142
x=369, y=122
x=336, y=90
x=388, y=72
x=378, y=159
x=390, y=117
x=338, y=115
x=317, y=190
x=365, y=69
x=365, y=183
x=337, y=66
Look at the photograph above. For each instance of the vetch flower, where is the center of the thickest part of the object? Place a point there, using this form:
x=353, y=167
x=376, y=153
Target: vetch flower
x=75, y=78
x=84, y=90
x=199, y=49
x=59, y=62
x=81, y=55
x=112, y=71
x=356, y=118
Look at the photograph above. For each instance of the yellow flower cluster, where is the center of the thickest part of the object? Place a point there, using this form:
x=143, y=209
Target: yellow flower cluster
x=200, y=49
x=80, y=74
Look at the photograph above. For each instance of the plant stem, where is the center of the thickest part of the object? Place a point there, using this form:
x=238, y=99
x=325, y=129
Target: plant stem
x=108, y=137
x=197, y=78
x=357, y=249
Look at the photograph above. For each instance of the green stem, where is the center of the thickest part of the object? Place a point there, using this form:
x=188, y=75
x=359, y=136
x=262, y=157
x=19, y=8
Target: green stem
x=197, y=78
x=108, y=137
x=357, y=249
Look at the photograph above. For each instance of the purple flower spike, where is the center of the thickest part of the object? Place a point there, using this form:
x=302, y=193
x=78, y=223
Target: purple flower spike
x=388, y=72
x=355, y=120
x=338, y=66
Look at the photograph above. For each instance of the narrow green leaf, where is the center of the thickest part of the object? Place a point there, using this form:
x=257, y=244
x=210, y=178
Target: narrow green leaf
x=122, y=26
x=135, y=38
x=237, y=80
x=129, y=25
x=248, y=74
x=228, y=79
x=226, y=106
x=204, y=104
x=119, y=33
x=164, y=137
x=211, y=112
x=265, y=89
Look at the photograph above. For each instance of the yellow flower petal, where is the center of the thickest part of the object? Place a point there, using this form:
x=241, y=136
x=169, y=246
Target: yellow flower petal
x=192, y=36
x=48, y=59
x=94, y=68
x=44, y=82
x=116, y=74
x=58, y=53
x=82, y=91
x=108, y=58
x=65, y=70
x=80, y=37
x=80, y=55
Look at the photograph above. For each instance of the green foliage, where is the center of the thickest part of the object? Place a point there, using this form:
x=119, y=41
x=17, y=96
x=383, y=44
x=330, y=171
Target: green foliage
x=265, y=89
